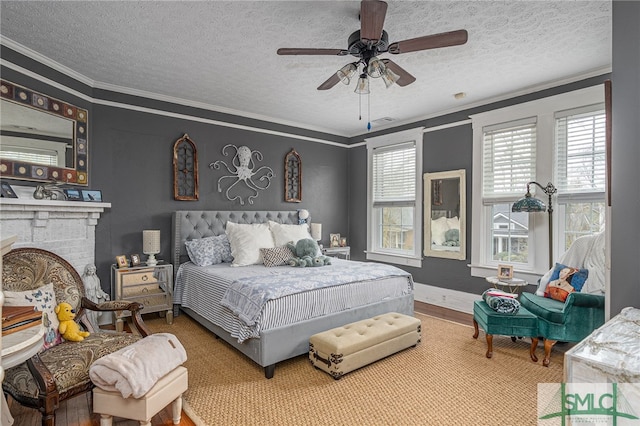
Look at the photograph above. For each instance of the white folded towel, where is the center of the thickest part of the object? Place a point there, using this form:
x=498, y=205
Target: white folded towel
x=134, y=370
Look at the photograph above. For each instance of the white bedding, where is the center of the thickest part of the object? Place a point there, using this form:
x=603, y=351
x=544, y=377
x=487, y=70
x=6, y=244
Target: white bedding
x=202, y=288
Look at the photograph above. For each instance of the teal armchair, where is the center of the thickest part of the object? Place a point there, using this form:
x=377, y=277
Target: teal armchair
x=570, y=321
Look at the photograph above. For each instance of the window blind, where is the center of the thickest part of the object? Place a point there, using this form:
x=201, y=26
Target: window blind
x=509, y=158
x=394, y=175
x=580, y=141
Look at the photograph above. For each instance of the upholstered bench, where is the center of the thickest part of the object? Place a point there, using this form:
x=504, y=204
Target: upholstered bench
x=521, y=324
x=167, y=390
x=344, y=349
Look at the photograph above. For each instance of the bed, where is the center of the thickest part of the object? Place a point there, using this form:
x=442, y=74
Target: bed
x=279, y=339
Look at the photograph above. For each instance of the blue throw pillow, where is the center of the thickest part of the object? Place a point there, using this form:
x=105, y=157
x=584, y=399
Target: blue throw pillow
x=577, y=279
x=209, y=251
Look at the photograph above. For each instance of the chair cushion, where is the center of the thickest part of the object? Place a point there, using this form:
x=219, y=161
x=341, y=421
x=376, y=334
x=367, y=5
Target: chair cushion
x=543, y=307
x=68, y=362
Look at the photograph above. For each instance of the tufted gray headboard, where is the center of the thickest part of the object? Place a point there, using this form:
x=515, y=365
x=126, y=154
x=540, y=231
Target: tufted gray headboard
x=191, y=224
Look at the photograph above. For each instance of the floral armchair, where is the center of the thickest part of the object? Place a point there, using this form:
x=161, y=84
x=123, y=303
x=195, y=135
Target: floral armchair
x=61, y=370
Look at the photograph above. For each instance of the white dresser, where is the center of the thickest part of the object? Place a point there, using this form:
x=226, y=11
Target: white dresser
x=611, y=354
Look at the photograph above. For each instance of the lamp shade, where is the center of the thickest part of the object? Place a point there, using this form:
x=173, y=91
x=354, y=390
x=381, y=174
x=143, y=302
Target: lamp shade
x=528, y=204
x=316, y=231
x=362, y=88
x=151, y=245
x=345, y=73
x=376, y=68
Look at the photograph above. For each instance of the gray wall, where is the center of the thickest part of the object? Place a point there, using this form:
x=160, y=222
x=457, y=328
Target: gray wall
x=132, y=164
x=625, y=151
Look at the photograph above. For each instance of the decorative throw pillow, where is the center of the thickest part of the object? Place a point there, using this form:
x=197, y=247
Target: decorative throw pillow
x=201, y=251
x=209, y=250
x=453, y=222
x=276, y=256
x=564, y=281
x=283, y=234
x=44, y=300
x=246, y=241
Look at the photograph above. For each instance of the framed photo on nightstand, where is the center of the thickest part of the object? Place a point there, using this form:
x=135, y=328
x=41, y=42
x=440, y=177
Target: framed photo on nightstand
x=334, y=240
x=135, y=259
x=122, y=261
x=505, y=272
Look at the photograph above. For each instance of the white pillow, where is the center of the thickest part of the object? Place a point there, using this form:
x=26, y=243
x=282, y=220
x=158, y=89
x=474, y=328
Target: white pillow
x=44, y=300
x=283, y=234
x=453, y=223
x=246, y=241
x=438, y=228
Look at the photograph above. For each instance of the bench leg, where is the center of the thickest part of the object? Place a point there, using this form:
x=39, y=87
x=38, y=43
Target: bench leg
x=475, y=328
x=176, y=410
x=145, y=422
x=106, y=420
x=532, y=349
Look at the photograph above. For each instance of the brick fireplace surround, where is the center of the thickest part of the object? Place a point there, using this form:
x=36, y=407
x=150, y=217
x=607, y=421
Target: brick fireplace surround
x=66, y=228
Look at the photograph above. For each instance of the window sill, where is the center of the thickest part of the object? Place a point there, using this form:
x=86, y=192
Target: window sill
x=398, y=260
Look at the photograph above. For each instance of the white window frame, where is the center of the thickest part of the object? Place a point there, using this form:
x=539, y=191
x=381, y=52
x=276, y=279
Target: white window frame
x=544, y=110
x=415, y=258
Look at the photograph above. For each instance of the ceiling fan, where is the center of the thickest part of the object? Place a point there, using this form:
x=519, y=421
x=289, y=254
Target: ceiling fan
x=369, y=42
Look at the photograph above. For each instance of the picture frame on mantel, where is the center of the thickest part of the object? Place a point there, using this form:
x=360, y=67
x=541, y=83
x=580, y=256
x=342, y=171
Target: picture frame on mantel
x=7, y=191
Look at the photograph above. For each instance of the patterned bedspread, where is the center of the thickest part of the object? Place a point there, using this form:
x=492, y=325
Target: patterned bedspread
x=246, y=296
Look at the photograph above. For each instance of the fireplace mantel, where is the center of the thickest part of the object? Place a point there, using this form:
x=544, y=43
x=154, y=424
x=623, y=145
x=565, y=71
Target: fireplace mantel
x=66, y=228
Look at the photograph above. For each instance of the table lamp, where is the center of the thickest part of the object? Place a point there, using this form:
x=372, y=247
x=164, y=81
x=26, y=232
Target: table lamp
x=316, y=232
x=151, y=245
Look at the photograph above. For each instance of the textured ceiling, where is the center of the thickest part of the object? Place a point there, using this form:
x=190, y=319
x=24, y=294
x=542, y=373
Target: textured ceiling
x=223, y=53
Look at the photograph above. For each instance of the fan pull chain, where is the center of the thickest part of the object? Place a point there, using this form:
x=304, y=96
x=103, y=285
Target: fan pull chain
x=368, y=112
x=360, y=107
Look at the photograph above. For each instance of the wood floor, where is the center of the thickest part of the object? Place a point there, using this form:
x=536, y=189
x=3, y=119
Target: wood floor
x=77, y=411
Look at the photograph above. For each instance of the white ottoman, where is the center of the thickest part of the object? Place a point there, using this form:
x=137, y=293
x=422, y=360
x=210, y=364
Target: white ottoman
x=168, y=389
x=344, y=349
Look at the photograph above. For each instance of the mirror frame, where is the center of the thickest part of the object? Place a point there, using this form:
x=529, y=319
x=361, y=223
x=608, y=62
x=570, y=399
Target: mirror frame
x=77, y=175
x=428, y=179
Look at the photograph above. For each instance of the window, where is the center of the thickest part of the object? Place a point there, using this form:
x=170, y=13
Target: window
x=559, y=139
x=580, y=167
x=394, y=199
x=509, y=162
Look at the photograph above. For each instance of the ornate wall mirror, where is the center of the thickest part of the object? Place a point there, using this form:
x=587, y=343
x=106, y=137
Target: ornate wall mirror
x=42, y=138
x=185, y=169
x=293, y=177
x=444, y=216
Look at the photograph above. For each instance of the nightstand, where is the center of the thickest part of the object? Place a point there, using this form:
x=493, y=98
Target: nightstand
x=337, y=252
x=150, y=285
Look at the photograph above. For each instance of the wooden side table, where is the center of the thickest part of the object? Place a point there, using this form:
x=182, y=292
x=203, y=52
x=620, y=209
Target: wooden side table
x=513, y=285
x=337, y=252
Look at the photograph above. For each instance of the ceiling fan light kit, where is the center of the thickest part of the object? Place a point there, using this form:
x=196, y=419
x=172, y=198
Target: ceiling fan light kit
x=369, y=42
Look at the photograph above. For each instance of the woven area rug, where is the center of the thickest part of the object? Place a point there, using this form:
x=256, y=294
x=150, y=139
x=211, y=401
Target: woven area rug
x=446, y=379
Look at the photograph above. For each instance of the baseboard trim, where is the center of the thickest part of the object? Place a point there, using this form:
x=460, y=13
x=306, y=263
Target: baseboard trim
x=445, y=298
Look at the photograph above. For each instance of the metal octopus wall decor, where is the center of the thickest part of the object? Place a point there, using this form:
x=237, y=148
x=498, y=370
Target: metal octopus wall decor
x=242, y=169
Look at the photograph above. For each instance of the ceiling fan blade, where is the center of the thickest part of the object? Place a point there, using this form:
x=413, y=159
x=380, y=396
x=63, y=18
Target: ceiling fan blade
x=433, y=41
x=332, y=81
x=372, y=14
x=297, y=51
x=405, y=78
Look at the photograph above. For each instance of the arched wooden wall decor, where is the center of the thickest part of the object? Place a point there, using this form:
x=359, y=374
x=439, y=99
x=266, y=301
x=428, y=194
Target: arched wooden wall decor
x=293, y=177
x=185, y=169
